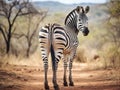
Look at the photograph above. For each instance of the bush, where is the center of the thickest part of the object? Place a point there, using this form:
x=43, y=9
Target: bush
x=81, y=55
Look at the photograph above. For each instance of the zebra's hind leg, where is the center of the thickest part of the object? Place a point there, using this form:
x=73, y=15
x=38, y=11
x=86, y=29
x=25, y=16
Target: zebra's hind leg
x=70, y=73
x=54, y=67
x=46, y=86
x=64, y=77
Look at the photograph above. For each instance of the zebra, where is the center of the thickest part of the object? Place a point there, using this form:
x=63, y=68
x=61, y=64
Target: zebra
x=62, y=43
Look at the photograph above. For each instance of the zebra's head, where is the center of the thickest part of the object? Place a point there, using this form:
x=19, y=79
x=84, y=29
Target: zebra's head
x=82, y=20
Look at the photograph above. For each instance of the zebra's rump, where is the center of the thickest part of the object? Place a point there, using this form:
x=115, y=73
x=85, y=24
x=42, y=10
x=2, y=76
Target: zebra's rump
x=53, y=34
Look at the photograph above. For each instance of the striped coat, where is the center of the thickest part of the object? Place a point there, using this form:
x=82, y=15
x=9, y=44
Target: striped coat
x=62, y=43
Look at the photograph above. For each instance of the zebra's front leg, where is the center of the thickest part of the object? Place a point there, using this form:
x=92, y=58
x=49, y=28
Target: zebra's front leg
x=54, y=67
x=70, y=73
x=64, y=77
x=46, y=86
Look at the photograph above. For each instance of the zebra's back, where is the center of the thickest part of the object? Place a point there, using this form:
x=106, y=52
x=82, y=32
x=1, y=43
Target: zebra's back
x=63, y=41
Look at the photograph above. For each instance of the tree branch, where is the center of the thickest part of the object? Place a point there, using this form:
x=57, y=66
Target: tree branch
x=3, y=33
x=15, y=17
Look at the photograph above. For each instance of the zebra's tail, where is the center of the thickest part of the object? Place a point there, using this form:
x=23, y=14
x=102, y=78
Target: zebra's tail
x=52, y=50
x=53, y=56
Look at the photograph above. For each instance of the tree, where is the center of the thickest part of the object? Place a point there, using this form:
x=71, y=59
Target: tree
x=30, y=35
x=114, y=20
x=113, y=32
x=10, y=11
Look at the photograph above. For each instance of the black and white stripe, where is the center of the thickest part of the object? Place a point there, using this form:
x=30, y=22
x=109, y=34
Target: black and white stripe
x=62, y=43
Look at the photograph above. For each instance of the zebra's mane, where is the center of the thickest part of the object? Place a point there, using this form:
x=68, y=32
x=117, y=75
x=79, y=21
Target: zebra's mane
x=69, y=15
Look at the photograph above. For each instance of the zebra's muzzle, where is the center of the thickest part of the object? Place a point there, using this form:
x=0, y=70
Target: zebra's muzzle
x=85, y=31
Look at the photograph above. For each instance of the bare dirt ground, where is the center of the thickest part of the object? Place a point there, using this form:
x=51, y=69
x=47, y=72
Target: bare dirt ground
x=14, y=77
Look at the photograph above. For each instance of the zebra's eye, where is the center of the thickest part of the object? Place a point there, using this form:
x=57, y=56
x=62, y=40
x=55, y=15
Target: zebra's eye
x=79, y=19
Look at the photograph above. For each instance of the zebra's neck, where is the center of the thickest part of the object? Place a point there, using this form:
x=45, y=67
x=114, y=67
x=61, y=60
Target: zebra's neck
x=71, y=21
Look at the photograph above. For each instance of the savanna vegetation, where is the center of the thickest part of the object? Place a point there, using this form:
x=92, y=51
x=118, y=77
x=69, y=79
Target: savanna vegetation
x=21, y=20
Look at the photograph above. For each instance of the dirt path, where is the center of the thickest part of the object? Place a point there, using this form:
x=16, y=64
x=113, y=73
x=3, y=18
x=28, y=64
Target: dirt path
x=14, y=77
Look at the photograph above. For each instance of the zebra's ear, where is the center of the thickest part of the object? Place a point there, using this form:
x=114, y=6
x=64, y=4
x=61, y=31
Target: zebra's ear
x=80, y=9
x=87, y=9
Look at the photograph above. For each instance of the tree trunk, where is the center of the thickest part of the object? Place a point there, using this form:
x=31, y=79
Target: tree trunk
x=8, y=41
x=28, y=50
x=8, y=47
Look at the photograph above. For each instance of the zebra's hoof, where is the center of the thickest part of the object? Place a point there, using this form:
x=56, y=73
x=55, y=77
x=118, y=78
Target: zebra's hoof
x=71, y=84
x=47, y=87
x=65, y=84
x=56, y=87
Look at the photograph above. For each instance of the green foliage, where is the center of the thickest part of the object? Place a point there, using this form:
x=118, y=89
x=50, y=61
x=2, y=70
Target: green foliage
x=112, y=56
x=110, y=36
x=114, y=8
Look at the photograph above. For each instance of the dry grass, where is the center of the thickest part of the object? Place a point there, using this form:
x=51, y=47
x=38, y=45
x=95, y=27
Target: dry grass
x=33, y=60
